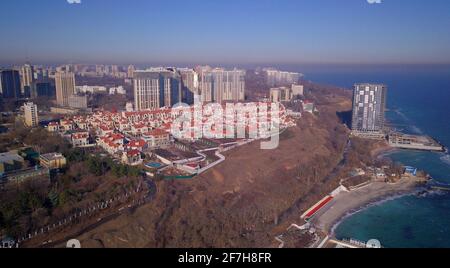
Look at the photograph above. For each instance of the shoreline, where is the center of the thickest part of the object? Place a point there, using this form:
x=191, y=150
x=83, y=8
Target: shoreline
x=348, y=203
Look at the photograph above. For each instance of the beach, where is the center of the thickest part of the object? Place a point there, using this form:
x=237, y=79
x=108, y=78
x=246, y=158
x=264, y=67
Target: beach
x=347, y=203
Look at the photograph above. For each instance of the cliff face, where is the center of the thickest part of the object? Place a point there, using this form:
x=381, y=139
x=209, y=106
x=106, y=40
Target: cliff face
x=244, y=201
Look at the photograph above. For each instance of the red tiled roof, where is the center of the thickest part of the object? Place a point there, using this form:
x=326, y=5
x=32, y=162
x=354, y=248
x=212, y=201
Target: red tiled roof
x=133, y=153
x=156, y=132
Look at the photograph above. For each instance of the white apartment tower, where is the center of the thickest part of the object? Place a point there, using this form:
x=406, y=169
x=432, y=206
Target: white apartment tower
x=369, y=102
x=65, y=87
x=219, y=85
x=27, y=78
x=31, y=114
x=156, y=88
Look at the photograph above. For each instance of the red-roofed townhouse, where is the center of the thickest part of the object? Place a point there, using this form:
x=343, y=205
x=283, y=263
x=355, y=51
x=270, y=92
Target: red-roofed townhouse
x=157, y=138
x=132, y=157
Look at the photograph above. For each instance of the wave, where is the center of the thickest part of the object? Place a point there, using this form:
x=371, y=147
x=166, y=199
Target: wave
x=416, y=129
x=446, y=159
x=413, y=128
x=431, y=193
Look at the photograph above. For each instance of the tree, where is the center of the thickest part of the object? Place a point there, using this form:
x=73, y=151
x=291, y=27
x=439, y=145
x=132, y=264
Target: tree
x=1, y=219
x=76, y=155
x=95, y=166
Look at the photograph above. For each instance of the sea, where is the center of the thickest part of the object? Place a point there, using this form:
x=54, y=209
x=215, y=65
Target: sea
x=418, y=102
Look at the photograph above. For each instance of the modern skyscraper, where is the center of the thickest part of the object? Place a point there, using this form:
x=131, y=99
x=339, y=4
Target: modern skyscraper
x=156, y=88
x=31, y=114
x=190, y=86
x=10, y=84
x=130, y=71
x=43, y=89
x=369, y=102
x=219, y=85
x=205, y=83
x=27, y=78
x=65, y=87
x=280, y=78
x=280, y=94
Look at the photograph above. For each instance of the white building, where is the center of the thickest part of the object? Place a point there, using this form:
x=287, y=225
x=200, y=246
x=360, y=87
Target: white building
x=65, y=87
x=220, y=85
x=117, y=90
x=91, y=89
x=369, y=101
x=31, y=114
x=297, y=90
x=280, y=78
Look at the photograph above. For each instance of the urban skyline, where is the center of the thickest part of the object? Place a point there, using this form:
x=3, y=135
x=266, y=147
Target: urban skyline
x=222, y=124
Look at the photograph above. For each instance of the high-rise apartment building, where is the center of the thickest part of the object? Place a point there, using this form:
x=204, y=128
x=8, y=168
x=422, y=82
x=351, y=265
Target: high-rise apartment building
x=27, y=78
x=31, y=114
x=65, y=87
x=280, y=94
x=155, y=88
x=280, y=78
x=43, y=88
x=130, y=71
x=220, y=85
x=369, y=102
x=190, y=85
x=10, y=84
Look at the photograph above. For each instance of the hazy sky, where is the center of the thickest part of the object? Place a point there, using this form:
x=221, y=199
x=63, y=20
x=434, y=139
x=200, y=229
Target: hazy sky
x=225, y=31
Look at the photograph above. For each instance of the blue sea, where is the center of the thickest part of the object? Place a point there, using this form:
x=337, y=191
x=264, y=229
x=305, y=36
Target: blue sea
x=418, y=102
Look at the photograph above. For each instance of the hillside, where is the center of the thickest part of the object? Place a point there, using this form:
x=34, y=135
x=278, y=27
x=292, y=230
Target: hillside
x=244, y=201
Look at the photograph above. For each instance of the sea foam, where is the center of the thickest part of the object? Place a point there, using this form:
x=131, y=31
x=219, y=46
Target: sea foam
x=446, y=159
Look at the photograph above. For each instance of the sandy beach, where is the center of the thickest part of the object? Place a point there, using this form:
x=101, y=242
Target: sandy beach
x=348, y=202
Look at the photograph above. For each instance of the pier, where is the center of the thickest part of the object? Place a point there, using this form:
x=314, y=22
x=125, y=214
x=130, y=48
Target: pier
x=440, y=187
x=414, y=142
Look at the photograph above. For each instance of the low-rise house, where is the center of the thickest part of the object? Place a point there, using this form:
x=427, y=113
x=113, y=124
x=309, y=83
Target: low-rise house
x=157, y=138
x=53, y=160
x=308, y=106
x=132, y=157
x=9, y=162
x=53, y=127
x=83, y=125
x=139, y=145
x=80, y=139
x=112, y=143
x=105, y=130
x=138, y=129
x=66, y=125
x=22, y=175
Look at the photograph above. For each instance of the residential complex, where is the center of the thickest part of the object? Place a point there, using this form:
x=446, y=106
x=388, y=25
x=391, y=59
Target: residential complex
x=220, y=85
x=283, y=94
x=280, y=78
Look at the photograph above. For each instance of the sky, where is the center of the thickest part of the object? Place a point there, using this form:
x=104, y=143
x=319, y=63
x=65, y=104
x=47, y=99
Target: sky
x=225, y=31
